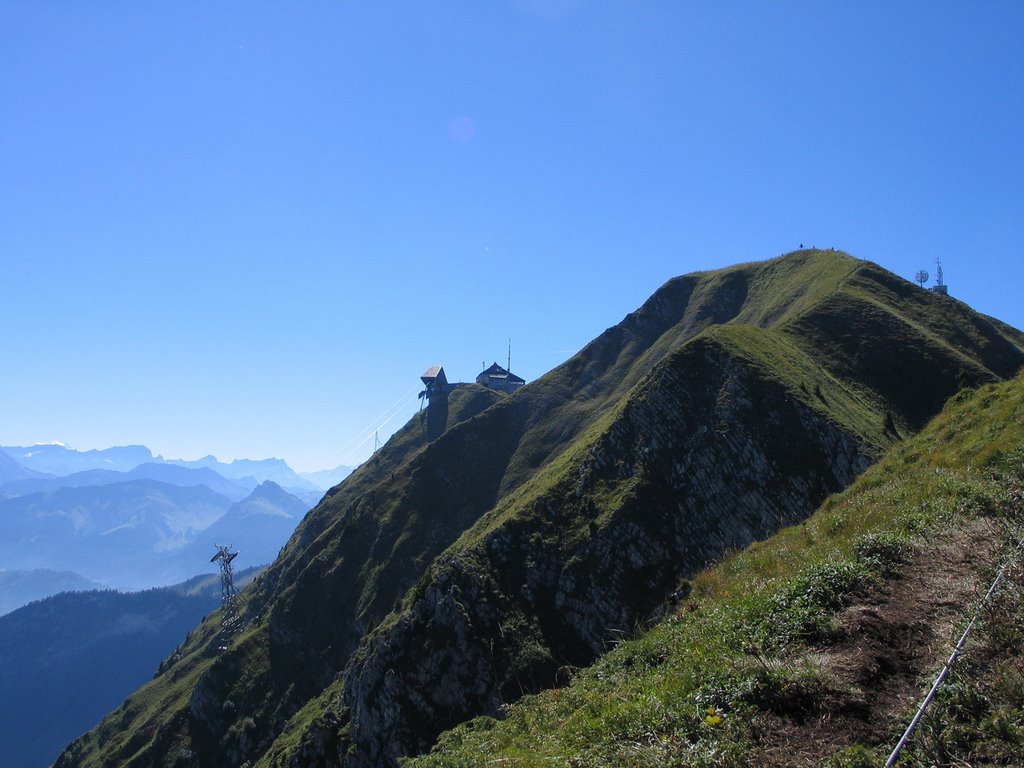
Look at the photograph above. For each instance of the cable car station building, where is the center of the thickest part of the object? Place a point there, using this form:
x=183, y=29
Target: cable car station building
x=498, y=378
x=436, y=383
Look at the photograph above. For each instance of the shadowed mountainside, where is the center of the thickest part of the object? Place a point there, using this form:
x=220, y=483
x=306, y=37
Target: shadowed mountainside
x=68, y=659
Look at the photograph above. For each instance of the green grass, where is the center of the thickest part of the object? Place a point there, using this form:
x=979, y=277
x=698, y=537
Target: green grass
x=775, y=356
x=691, y=690
x=764, y=294
x=782, y=358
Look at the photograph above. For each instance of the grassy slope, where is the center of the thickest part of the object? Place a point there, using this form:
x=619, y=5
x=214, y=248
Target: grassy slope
x=586, y=536
x=778, y=354
x=375, y=529
x=384, y=526
x=910, y=347
x=567, y=401
x=793, y=297
x=700, y=687
x=774, y=356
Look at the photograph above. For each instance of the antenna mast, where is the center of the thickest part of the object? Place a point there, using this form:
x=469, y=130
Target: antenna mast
x=509, y=366
x=229, y=618
x=940, y=286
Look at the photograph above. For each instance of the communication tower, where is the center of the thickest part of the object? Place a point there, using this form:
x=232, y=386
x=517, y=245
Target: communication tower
x=939, y=287
x=229, y=618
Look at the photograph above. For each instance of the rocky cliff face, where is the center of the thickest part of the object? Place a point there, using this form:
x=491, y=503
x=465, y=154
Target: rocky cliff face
x=707, y=455
x=492, y=547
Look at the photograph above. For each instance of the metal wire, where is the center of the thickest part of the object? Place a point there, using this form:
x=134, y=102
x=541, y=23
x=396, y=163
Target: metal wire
x=908, y=734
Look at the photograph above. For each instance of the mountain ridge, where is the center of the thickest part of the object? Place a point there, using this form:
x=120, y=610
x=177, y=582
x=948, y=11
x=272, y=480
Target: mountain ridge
x=559, y=492
x=166, y=473
x=11, y=470
x=98, y=530
x=256, y=527
x=20, y=587
x=59, y=459
x=56, y=460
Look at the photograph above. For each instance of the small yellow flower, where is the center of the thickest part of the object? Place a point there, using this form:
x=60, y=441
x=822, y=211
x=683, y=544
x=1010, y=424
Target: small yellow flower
x=713, y=717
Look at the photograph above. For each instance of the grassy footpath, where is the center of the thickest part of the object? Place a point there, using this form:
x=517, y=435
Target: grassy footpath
x=738, y=657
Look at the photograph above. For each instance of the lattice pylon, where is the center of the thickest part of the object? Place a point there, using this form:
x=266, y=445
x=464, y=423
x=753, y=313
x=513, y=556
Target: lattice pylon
x=229, y=617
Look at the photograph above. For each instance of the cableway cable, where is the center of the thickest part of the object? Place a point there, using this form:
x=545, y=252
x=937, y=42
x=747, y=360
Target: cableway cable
x=364, y=435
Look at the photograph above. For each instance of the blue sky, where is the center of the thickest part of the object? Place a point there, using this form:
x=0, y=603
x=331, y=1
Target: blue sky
x=246, y=228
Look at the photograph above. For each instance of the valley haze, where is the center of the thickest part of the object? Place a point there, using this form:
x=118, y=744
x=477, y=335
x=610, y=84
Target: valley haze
x=123, y=518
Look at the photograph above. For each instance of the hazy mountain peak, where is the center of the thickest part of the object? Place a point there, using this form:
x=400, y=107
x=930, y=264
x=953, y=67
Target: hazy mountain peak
x=12, y=469
x=58, y=459
x=257, y=470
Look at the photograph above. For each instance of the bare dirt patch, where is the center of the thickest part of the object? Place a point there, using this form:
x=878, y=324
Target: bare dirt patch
x=888, y=646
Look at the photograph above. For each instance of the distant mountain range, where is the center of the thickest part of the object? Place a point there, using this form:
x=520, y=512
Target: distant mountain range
x=167, y=473
x=127, y=534
x=60, y=460
x=256, y=527
x=142, y=533
x=327, y=478
x=71, y=521
x=245, y=469
x=128, y=519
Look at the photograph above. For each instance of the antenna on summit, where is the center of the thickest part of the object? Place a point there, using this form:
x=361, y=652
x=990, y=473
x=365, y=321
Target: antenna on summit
x=509, y=366
x=939, y=287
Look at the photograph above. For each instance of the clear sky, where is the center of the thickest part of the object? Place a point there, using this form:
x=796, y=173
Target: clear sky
x=245, y=228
